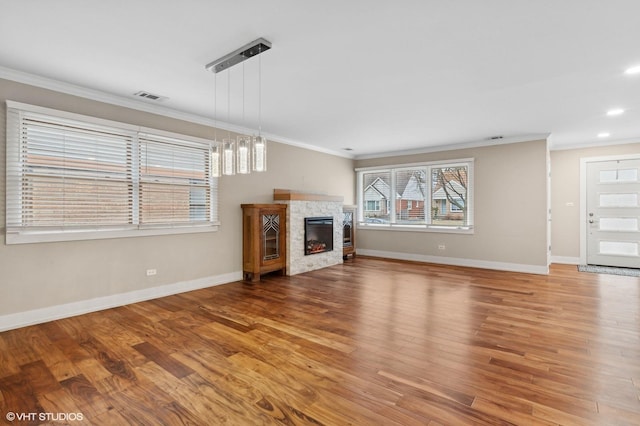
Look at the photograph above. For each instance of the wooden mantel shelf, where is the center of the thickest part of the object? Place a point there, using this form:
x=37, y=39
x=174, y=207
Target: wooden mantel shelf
x=293, y=195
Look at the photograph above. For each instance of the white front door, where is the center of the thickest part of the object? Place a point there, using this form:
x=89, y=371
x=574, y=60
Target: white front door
x=613, y=213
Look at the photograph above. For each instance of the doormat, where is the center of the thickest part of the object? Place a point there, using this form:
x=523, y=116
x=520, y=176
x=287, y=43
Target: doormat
x=627, y=272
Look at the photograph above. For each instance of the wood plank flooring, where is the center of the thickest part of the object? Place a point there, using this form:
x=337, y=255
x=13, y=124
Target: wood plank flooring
x=368, y=342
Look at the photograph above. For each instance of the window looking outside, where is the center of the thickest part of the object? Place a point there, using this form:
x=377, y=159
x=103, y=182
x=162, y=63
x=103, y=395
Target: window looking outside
x=375, y=192
x=75, y=177
x=373, y=205
x=413, y=183
x=449, y=187
x=429, y=195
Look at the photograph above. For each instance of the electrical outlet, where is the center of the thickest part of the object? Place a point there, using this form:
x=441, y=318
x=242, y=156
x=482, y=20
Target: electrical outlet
x=151, y=272
x=441, y=247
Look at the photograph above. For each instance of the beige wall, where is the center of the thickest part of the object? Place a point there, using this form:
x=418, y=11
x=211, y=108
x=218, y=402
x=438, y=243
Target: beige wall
x=565, y=196
x=34, y=276
x=510, y=215
x=510, y=193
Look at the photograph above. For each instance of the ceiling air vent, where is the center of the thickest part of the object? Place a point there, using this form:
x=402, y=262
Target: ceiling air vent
x=150, y=96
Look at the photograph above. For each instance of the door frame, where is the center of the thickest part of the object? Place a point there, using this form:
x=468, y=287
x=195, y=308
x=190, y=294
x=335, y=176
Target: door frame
x=583, y=195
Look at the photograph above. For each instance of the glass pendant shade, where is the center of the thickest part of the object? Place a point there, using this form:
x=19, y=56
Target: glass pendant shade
x=259, y=154
x=243, y=165
x=228, y=157
x=216, y=160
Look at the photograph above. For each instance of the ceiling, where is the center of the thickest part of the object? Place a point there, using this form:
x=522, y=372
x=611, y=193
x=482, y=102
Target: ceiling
x=369, y=75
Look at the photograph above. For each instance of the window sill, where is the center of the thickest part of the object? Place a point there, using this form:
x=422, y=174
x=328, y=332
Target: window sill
x=416, y=228
x=29, y=237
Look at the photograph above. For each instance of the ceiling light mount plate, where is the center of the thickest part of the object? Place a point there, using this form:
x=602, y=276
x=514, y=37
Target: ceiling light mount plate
x=239, y=55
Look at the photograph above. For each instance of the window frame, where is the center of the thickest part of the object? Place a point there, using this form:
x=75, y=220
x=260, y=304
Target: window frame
x=454, y=209
x=376, y=204
x=425, y=226
x=18, y=233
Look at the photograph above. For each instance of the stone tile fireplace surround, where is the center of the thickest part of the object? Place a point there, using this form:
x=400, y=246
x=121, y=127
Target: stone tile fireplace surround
x=303, y=205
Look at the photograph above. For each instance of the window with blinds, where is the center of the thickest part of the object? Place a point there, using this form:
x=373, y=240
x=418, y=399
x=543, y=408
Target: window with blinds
x=435, y=196
x=174, y=182
x=74, y=177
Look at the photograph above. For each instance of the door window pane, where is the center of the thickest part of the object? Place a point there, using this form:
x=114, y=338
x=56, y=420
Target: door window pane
x=618, y=224
x=619, y=200
x=622, y=175
x=619, y=248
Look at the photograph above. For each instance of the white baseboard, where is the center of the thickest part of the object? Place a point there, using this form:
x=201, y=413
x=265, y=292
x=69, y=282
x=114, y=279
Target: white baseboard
x=565, y=260
x=37, y=316
x=455, y=261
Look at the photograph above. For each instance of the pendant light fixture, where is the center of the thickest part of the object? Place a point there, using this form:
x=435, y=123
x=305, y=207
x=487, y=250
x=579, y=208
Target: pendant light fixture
x=246, y=154
x=216, y=157
x=259, y=144
x=243, y=149
x=228, y=144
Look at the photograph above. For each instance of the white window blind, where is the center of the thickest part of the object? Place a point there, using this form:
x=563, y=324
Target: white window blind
x=174, y=181
x=77, y=178
x=71, y=176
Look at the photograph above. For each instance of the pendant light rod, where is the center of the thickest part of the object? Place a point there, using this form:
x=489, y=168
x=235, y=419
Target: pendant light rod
x=260, y=93
x=239, y=55
x=215, y=108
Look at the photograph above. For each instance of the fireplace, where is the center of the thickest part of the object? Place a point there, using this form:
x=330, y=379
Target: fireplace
x=318, y=235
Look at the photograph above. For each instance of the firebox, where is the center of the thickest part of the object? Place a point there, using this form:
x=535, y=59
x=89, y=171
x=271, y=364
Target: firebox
x=318, y=235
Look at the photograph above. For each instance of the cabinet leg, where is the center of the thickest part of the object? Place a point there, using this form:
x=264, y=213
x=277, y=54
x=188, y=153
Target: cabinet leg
x=251, y=277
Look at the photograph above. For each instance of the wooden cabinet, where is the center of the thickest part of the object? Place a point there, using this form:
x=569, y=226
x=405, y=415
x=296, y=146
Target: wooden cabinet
x=264, y=239
x=349, y=231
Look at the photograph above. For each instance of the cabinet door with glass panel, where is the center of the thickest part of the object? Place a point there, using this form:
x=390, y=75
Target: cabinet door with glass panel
x=264, y=239
x=348, y=231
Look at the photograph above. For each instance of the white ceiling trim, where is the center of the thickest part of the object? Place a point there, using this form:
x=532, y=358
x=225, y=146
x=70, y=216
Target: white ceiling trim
x=594, y=144
x=97, y=95
x=464, y=145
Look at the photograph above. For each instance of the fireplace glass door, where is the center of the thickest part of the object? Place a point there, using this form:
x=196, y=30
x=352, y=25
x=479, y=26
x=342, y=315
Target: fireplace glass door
x=318, y=233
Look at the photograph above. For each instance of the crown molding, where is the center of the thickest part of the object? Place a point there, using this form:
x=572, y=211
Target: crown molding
x=597, y=144
x=109, y=98
x=464, y=145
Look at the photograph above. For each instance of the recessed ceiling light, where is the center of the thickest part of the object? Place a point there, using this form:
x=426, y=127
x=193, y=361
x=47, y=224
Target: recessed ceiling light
x=615, y=111
x=633, y=70
x=604, y=135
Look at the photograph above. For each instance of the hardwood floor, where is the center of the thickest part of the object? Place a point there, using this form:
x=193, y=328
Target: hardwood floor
x=367, y=342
